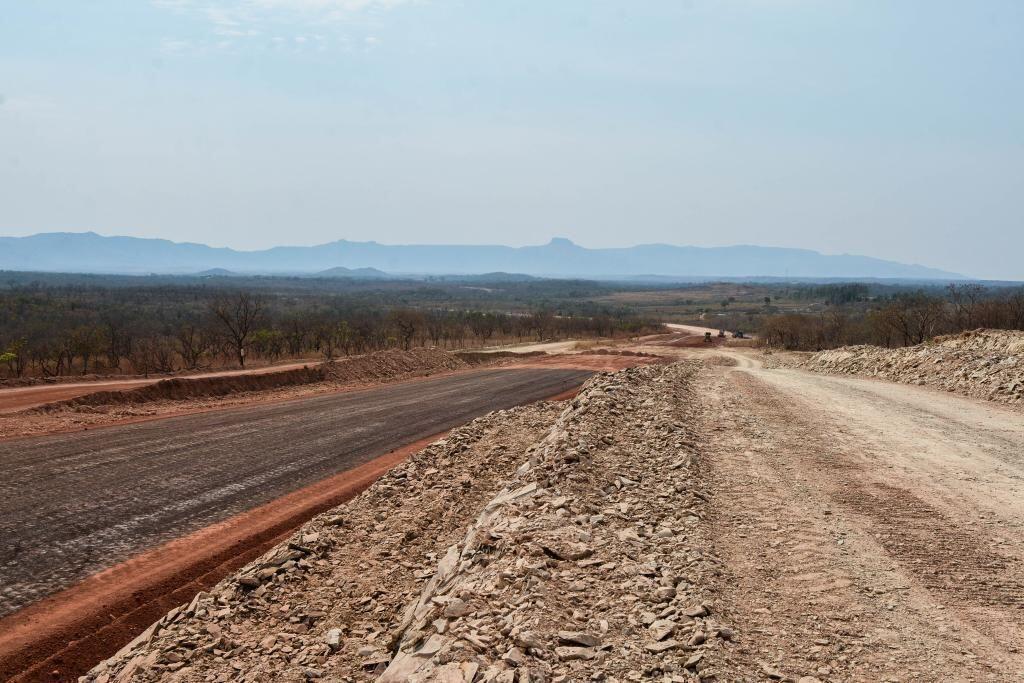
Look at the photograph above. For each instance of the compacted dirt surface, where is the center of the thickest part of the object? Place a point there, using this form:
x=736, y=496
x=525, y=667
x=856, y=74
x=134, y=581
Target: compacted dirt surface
x=870, y=531
x=148, y=399
x=73, y=504
x=707, y=520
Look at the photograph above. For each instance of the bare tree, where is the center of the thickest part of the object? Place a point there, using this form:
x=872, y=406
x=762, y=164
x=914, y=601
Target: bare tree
x=193, y=343
x=1015, y=310
x=435, y=322
x=406, y=323
x=118, y=342
x=296, y=333
x=965, y=298
x=483, y=326
x=240, y=315
x=916, y=317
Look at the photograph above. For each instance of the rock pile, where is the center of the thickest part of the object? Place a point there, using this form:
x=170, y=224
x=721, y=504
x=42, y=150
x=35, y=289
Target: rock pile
x=529, y=546
x=588, y=566
x=984, y=363
x=325, y=601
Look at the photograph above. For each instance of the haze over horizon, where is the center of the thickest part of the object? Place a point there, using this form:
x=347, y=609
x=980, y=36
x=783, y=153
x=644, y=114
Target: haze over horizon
x=559, y=257
x=888, y=130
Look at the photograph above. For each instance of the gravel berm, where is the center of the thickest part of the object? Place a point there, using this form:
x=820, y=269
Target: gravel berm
x=529, y=545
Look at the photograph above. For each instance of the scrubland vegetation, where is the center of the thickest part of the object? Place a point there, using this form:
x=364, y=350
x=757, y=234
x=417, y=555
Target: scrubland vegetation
x=807, y=316
x=56, y=325
x=901, y=319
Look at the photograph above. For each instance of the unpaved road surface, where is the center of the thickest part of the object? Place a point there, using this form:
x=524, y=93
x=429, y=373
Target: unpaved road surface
x=72, y=504
x=870, y=531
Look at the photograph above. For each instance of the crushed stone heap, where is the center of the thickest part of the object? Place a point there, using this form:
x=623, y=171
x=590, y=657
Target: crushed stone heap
x=530, y=545
x=985, y=364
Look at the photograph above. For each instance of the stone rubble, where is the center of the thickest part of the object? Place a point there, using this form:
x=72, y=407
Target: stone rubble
x=584, y=558
x=326, y=599
x=986, y=364
x=589, y=565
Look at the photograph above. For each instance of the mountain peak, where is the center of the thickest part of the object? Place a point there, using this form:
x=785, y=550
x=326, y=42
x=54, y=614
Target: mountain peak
x=562, y=242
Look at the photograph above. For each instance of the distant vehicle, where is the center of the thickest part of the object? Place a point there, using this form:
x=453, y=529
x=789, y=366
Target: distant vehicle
x=707, y=336
x=721, y=333
x=737, y=335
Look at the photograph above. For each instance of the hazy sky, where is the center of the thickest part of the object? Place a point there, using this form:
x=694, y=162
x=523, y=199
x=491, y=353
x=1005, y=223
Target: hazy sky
x=879, y=127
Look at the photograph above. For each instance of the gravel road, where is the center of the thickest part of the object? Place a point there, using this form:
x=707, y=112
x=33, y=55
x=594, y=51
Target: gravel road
x=72, y=504
x=871, y=531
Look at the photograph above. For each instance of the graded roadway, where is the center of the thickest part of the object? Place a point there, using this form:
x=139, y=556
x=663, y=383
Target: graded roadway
x=73, y=504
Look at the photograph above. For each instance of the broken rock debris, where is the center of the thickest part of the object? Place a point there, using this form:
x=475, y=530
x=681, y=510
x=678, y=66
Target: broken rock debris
x=556, y=542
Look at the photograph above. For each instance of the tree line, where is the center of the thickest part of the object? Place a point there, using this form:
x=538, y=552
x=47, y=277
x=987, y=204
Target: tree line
x=904, y=319
x=57, y=331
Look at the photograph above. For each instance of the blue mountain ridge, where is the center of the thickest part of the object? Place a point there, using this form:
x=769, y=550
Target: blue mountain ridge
x=89, y=252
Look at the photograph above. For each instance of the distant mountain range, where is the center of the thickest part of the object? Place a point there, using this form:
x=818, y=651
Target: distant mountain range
x=337, y=271
x=92, y=253
x=358, y=273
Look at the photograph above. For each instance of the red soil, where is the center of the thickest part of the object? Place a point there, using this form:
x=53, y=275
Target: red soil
x=63, y=636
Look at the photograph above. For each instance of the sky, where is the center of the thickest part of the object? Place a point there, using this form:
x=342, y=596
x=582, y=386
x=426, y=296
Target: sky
x=887, y=129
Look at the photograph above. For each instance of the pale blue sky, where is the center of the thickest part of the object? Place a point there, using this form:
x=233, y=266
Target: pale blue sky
x=887, y=128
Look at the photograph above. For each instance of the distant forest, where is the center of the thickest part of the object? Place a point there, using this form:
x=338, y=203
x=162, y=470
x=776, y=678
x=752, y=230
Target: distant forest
x=855, y=314
x=53, y=325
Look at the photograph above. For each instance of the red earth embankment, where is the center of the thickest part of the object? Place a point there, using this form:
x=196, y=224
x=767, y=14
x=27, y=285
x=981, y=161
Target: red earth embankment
x=383, y=365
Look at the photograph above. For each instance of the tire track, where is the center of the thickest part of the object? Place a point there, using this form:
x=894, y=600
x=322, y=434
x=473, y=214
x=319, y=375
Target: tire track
x=835, y=573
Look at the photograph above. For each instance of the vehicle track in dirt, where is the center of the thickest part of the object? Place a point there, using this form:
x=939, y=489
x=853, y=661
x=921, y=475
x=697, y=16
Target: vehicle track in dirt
x=871, y=531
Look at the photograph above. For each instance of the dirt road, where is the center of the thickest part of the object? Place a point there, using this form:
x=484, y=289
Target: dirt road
x=869, y=531
x=73, y=504
x=691, y=329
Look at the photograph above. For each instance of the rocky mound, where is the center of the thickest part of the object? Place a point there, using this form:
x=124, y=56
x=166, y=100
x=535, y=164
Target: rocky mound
x=525, y=547
x=984, y=363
